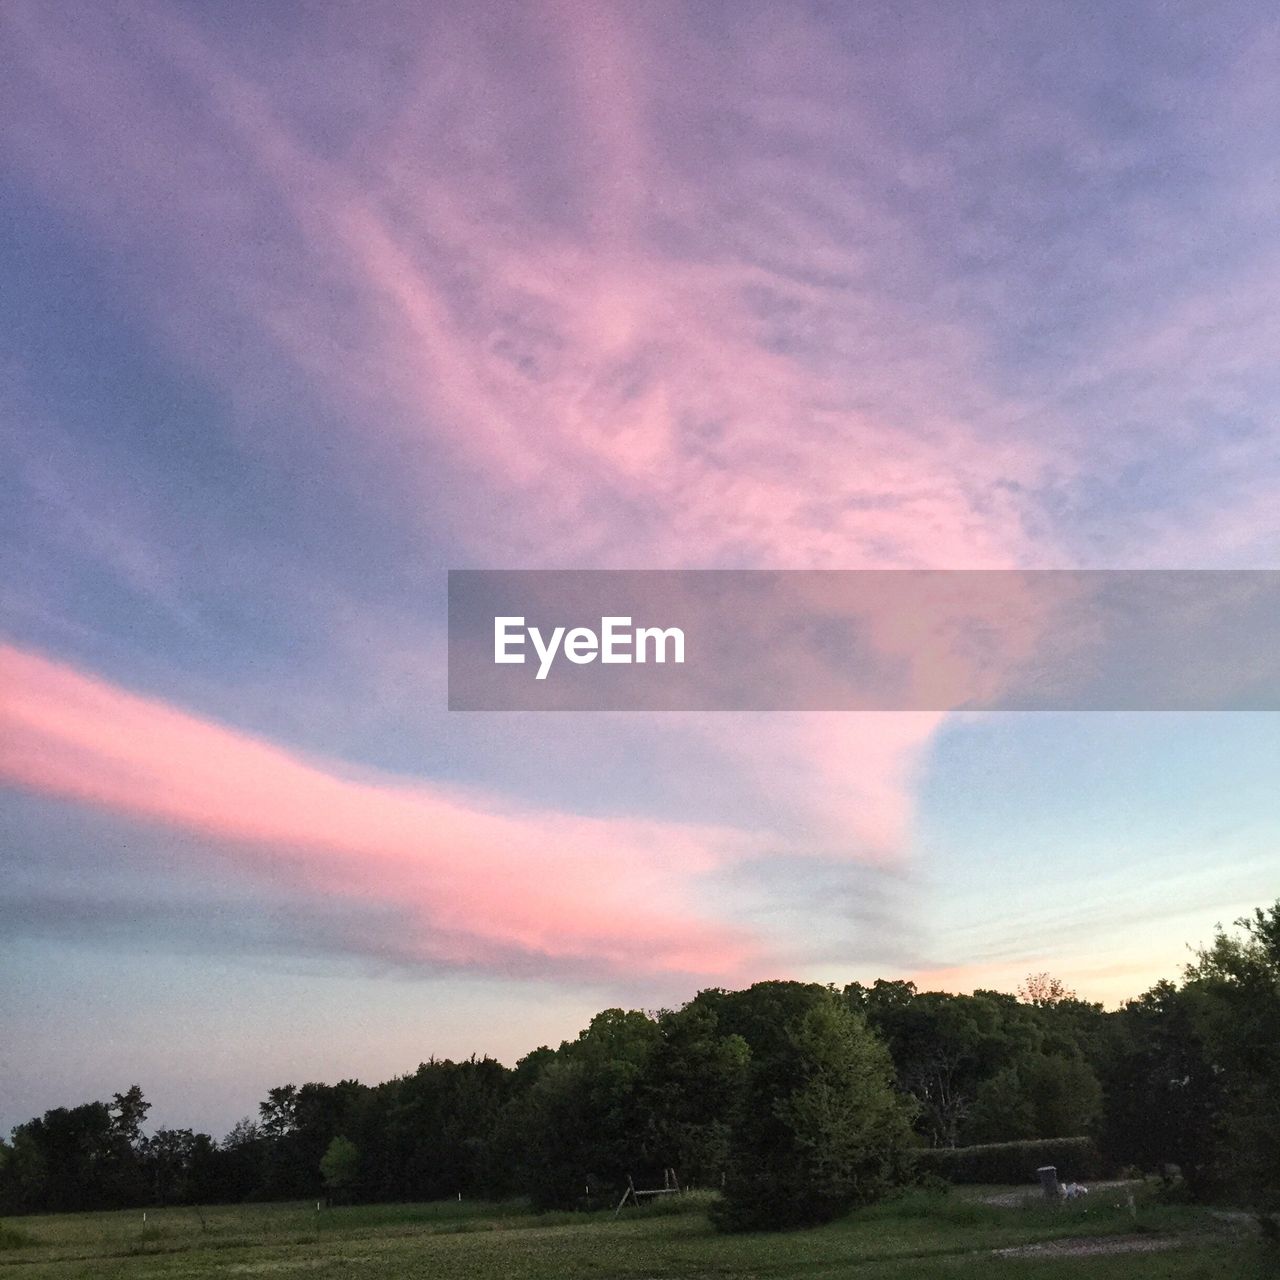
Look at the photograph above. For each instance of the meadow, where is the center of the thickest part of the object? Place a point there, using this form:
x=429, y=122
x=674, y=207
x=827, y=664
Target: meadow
x=956, y=1234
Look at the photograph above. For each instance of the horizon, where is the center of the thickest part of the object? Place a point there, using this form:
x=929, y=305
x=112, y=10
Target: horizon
x=219, y=1132
x=308, y=307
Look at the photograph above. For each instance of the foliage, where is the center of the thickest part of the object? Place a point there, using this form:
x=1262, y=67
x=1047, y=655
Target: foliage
x=946, y=1047
x=1233, y=994
x=1002, y=1110
x=822, y=1128
x=1193, y=1077
x=1044, y=990
x=340, y=1164
x=694, y=1091
x=1063, y=1093
x=1076, y=1160
x=586, y=1122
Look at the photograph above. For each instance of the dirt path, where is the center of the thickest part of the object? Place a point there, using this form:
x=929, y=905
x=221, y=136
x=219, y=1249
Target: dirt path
x=1016, y=1199
x=1090, y=1246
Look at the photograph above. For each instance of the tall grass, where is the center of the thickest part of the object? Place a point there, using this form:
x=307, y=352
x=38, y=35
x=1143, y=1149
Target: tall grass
x=16, y=1238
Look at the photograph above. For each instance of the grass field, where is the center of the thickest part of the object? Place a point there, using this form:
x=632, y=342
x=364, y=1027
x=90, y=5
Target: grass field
x=922, y=1235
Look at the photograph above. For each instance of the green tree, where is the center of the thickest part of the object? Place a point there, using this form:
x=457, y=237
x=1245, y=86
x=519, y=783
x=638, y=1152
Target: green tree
x=62, y=1159
x=695, y=1083
x=166, y=1157
x=1163, y=1090
x=340, y=1165
x=240, y=1162
x=1064, y=1095
x=585, y=1121
x=822, y=1128
x=1234, y=990
x=944, y=1048
x=278, y=1112
x=1001, y=1110
x=128, y=1112
x=435, y=1132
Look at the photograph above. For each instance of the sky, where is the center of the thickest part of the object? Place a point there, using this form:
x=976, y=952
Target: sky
x=306, y=304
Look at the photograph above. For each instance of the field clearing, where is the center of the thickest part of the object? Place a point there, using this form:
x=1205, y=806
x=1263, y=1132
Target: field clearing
x=920, y=1235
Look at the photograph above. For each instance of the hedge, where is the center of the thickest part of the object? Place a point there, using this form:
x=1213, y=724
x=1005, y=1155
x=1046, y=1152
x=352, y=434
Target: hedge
x=1076, y=1160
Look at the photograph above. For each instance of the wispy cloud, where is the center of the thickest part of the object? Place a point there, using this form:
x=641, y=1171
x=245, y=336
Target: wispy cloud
x=482, y=887
x=617, y=388
x=626, y=288
x=634, y=388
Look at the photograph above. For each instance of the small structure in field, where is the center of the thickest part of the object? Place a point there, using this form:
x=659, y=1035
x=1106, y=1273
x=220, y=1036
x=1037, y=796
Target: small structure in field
x=671, y=1186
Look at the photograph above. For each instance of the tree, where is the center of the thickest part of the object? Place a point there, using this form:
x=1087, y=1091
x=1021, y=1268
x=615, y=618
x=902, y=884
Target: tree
x=694, y=1086
x=1162, y=1089
x=585, y=1120
x=166, y=1157
x=1193, y=1079
x=128, y=1110
x=822, y=1128
x=1044, y=990
x=799, y=1099
x=1234, y=987
x=1001, y=1110
x=279, y=1111
x=240, y=1161
x=944, y=1048
x=340, y=1164
x=1064, y=1095
x=435, y=1132
x=207, y=1176
x=62, y=1160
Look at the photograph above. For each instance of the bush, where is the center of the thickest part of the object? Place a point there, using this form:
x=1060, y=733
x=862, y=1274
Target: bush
x=1076, y=1160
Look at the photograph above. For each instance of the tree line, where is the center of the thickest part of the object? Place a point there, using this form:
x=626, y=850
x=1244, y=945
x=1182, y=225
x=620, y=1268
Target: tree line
x=796, y=1101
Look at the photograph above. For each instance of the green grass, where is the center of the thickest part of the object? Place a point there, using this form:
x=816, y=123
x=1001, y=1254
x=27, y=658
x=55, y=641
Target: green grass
x=919, y=1235
x=15, y=1238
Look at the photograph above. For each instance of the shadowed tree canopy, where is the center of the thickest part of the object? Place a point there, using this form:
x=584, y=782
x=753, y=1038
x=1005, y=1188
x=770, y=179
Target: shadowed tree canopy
x=821, y=1127
x=801, y=1101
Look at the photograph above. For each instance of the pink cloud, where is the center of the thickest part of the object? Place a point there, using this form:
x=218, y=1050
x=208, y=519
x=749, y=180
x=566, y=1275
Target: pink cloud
x=584, y=368
x=689, y=360
x=481, y=885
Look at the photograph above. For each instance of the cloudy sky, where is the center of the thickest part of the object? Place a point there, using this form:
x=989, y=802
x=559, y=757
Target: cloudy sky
x=305, y=304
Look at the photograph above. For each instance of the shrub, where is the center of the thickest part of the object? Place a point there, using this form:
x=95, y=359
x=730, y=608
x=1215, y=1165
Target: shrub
x=1076, y=1159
